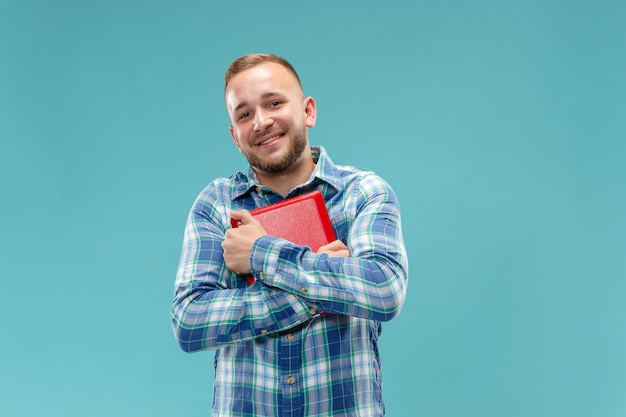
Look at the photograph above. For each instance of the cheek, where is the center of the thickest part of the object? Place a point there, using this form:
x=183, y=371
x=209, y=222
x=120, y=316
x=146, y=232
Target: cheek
x=240, y=132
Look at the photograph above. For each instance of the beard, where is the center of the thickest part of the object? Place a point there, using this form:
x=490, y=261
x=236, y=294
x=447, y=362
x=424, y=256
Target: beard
x=295, y=150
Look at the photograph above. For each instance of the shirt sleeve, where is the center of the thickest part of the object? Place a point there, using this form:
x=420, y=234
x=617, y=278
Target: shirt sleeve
x=371, y=283
x=213, y=307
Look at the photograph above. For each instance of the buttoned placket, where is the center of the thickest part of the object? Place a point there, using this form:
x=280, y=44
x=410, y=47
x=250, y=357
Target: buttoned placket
x=290, y=351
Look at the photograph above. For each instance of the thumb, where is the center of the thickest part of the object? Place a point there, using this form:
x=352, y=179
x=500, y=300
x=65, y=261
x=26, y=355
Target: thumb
x=243, y=216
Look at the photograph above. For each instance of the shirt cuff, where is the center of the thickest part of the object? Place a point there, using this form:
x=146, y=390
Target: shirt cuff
x=262, y=258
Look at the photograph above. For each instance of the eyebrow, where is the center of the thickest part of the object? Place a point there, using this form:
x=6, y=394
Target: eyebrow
x=264, y=96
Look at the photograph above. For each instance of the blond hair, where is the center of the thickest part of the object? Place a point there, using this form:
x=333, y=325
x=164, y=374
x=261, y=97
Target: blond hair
x=252, y=60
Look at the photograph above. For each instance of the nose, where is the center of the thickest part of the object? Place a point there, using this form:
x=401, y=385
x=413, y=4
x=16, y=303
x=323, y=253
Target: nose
x=261, y=120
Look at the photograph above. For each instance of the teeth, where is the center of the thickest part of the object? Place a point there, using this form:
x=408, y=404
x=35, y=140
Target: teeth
x=270, y=140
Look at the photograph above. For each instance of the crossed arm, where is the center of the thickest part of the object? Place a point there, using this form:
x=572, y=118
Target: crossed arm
x=213, y=306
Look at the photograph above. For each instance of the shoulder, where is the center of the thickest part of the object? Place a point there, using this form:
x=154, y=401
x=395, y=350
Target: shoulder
x=348, y=177
x=363, y=181
x=216, y=197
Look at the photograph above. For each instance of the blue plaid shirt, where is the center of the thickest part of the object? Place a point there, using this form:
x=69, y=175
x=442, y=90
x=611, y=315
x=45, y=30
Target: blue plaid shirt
x=276, y=355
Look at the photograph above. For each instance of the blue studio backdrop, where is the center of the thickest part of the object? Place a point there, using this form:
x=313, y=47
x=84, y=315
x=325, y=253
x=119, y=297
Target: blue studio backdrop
x=500, y=124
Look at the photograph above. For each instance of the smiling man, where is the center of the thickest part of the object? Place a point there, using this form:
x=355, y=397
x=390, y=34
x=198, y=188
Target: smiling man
x=270, y=118
x=277, y=354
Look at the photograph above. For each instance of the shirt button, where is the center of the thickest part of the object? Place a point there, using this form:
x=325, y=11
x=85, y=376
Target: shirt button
x=261, y=275
x=259, y=188
x=290, y=337
x=312, y=310
x=303, y=290
x=263, y=331
x=291, y=380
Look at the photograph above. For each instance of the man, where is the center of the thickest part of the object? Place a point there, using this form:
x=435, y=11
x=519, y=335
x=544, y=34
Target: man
x=302, y=339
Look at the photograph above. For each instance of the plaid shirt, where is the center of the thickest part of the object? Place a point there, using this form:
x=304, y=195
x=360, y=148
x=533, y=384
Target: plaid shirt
x=276, y=355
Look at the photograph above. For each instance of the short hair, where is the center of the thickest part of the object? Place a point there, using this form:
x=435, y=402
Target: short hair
x=252, y=60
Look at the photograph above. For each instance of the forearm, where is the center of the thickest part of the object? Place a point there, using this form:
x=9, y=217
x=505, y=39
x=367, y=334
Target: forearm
x=367, y=288
x=205, y=318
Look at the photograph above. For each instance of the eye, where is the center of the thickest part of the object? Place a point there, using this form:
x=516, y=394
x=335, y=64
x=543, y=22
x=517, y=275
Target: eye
x=244, y=115
x=275, y=104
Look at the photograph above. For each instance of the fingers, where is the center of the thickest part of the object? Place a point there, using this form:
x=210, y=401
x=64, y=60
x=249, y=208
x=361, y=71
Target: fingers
x=335, y=248
x=335, y=245
x=238, y=241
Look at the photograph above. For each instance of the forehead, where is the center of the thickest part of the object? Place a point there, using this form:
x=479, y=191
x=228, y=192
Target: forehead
x=258, y=81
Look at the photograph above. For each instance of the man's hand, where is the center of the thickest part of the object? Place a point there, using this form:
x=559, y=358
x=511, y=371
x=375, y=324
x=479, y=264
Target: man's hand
x=238, y=241
x=335, y=248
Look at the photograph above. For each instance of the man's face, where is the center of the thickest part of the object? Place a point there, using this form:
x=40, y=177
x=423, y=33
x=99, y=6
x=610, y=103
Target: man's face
x=269, y=116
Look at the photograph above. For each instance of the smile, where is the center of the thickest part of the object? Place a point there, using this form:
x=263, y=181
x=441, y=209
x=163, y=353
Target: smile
x=270, y=139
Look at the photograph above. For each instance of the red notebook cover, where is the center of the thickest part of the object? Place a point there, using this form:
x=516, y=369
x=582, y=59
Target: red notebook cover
x=302, y=220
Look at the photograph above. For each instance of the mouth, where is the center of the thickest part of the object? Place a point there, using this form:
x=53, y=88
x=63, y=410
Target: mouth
x=270, y=138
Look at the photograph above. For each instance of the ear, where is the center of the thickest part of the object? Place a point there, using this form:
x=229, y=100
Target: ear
x=232, y=135
x=310, y=109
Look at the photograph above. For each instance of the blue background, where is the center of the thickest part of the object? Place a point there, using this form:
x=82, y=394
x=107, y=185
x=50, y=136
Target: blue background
x=501, y=125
